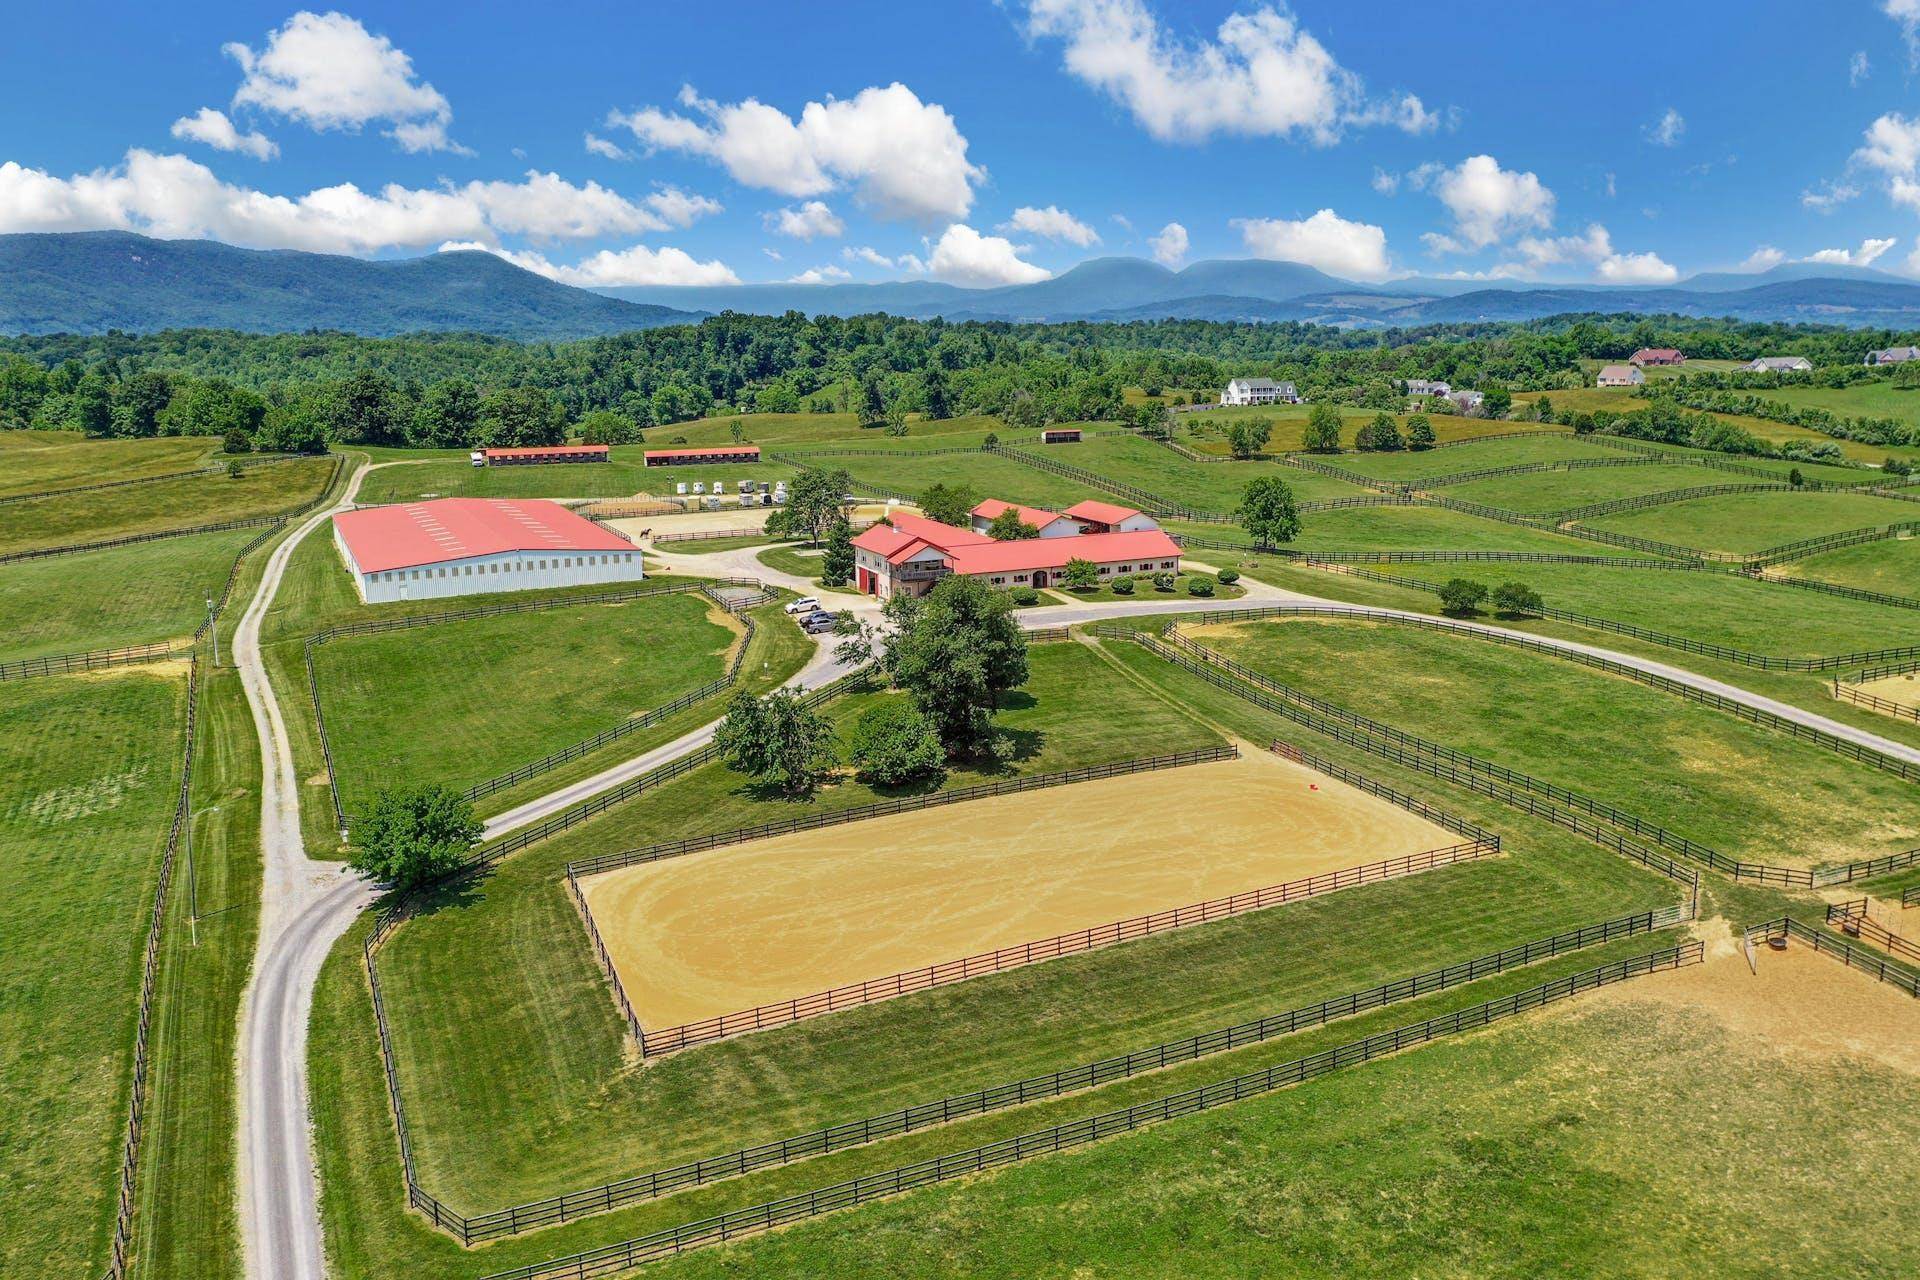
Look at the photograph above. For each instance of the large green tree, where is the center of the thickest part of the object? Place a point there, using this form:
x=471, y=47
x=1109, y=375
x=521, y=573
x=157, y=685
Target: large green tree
x=365, y=409
x=836, y=566
x=778, y=741
x=410, y=834
x=520, y=417
x=1009, y=527
x=1323, y=429
x=949, y=503
x=1268, y=511
x=893, y=744
x=814, y=500
x=955, y=651
x=1248, y=436
x=448, y=416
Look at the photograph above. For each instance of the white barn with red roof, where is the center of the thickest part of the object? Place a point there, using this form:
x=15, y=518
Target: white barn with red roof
x=471, y=546
x=911, y=554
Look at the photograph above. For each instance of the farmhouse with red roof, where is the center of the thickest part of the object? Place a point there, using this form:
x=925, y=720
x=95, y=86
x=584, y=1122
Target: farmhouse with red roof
x=469, y=546
x=913, y=553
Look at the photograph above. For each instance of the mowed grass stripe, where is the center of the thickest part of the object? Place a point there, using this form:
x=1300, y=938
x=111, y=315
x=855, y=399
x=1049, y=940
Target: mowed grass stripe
x=88, y=781
x=40, y=461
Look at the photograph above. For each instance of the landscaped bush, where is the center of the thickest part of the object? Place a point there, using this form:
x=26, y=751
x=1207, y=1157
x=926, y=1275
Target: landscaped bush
x=1163, y=581
x=1229, y=576
x=1123, y=586
x=1199, y=586
x=1025, y=595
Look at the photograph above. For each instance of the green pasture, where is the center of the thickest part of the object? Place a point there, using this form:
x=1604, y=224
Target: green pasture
x=120, y=596
x=1204, y=486
x=89, y=776
x=1206, y=431
x=989, y=475
x=1545, y=492
x=1890, y=566
x=508, y=690
x=263, y=490
x=1390, y=528
x=39, y=461
x=1750, y=522
x=624, y=477
x=1424, y=464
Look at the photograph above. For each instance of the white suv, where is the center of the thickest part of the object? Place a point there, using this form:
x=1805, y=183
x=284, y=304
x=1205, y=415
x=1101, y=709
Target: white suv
x=805, y=604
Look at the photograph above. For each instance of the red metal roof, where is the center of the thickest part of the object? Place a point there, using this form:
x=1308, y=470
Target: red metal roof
x=1038, y=517
x=1101, y=512
x=709, y=451
x=420, y=533
x=545, y=450
x=1053, y=553
x=910, y=533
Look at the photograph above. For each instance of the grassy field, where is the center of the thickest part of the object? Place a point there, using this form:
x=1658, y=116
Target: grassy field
x=446, y=476
x=1720, y=608
x=89, y=774
x=1616, y=400
x=1891, y=565
x=1618, y=1136
x=264, y=490
x=989, y=475
x=1743, y=790
x=1748, y=522
x=489, y=1141
x=507, y=689
x=1828, y=473
x=803, y=562
x=1480, y=455
x=1207, y=431
x=781, y=430
x=1548, y=491
x=39, y=461
x=1389, y=528
x=1143, y=590
x=122, y=596
x=1215, y=486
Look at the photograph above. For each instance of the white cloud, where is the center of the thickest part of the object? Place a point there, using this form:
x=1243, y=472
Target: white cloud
x=1591, y=245
x=1636, y=268
x=1762, y=258
x=1870, y=249
x=1052, y=222
x=1828, y=196
x=329, y=72
x=1667, y=130
x=173, y=196
x=821, y=275
x=810, y=221
x=599, y=146
x=1858, y=68
x=1385, y=183
x=1262, y=75
x=906, y=262
x=904, y=158
x=1354, y=250
x=217, y=131
x=635, y=265
x=1907, y=14
x=1122, y=221
x=1892, y=143
x=1488, y=203
x=965, y=257
x=1170, y=246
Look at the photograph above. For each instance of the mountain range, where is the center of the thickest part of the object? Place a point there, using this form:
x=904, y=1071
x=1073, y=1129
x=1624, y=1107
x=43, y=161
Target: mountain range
x=89, y=282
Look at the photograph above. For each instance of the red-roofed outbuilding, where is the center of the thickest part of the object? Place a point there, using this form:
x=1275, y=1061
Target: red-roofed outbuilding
x=468, y=546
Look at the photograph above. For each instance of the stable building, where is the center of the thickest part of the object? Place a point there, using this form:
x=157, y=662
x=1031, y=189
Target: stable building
x=699, y=457
x=541, y=454
x=913, y=553
x=1048, y=524
x=475, y=546
x=1060, y=435
x=1109, y=517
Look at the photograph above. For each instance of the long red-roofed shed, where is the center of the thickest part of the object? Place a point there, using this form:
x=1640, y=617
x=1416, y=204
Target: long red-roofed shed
x=464, y=546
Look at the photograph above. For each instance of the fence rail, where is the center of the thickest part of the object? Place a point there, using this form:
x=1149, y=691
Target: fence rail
x=607, y=510
x=1088, y=1075
x=1911, y=898
x=63, y=662
x=1845, y=952
x=1666, y=497
x=149, y=972
x=218, y=468
x=1836, y=589
x=609, y=1259
x=1854, y=921
x=1528, y=469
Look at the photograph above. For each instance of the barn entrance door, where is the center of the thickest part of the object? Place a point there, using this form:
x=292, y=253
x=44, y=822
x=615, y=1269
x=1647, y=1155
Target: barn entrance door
x=1039, y=578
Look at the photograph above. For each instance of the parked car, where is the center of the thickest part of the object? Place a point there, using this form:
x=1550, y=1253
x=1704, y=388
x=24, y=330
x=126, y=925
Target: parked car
x=817, y=626
x=804, y=605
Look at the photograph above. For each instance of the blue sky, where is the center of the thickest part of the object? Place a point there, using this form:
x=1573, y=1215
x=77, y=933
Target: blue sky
x=981, y=142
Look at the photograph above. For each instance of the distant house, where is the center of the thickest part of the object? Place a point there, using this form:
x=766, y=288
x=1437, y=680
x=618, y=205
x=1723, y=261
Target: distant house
x=1620, y=375
x=1467, y=401
x=1422, y=387
x=1893, y=355
x=1778, y=364
x=1259, y=391
x=1656, y=355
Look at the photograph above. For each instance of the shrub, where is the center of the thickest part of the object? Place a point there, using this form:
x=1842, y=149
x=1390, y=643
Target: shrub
x=1229, y=576
x=892, y=744
x=1199, y=586
x=1461, y=595
x=1081, y=574
x=1163, y=581
x=1025, y=595
x=236, y=441
x=233, y=471
x=1123, y=586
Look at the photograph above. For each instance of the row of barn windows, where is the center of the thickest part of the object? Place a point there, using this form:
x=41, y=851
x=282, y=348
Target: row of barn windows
x=1105, y=569
x=468, y=571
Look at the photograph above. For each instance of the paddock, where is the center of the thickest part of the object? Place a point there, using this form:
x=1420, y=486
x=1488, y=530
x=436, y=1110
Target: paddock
x=697, y=937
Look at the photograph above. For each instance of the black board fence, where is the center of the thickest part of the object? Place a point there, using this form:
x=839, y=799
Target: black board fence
x=1151, y=503
x=1911, y=897
x=117, y=1266
x=1786, y=927
x=1836, y=589
x=613, y=1258
x=1853, y=920
x=59, y=663
x=553, y=1210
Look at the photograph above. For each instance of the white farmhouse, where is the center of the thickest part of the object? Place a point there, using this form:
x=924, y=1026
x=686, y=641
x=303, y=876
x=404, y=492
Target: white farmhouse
x=1621, y=375
x=1425, y=387
x=1778, y=364
x=1259, y=391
